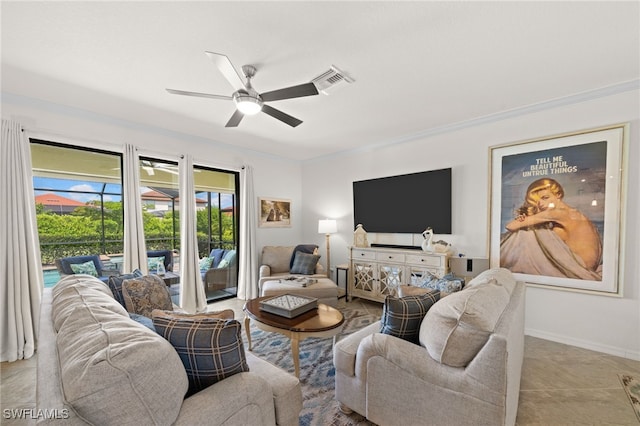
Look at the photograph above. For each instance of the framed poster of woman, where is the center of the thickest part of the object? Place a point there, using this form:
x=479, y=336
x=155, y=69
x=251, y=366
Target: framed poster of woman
x=557, y=209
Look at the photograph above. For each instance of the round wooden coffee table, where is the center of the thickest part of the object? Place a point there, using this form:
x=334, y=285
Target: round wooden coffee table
x=324, y=321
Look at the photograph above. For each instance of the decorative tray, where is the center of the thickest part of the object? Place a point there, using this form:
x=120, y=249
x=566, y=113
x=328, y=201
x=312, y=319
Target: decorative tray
x=298, y=281
x=289, y=305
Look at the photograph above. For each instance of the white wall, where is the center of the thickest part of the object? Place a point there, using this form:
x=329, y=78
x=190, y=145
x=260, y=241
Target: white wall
x=603, y=323
x=273, y=177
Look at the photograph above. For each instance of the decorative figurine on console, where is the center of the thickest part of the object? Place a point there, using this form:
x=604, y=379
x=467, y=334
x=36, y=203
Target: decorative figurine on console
x=360, y=237
x=429, y=245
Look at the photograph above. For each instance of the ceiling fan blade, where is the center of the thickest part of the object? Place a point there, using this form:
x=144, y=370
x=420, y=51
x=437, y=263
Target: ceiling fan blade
x=228, y=71
x=201, y=95
x=307, y=89
x=279, y=115
x=235, y=119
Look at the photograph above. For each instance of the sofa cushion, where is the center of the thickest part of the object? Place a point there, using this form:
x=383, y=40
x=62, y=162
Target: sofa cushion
x=216, y=256
x=111, y=368
x=228, y=260
x=278, y=258
x=458, y=326
x=402, y=316
x=88, y=268
x=210, y=348
x=115, y=284
x=75, y=289
x=143, y=295
x=304, y=263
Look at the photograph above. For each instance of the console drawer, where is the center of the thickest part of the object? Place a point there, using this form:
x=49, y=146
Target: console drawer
x=435, y=261
x=363, y=254
x=390, y=257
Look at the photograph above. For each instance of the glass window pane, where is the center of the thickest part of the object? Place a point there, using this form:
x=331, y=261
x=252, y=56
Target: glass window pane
x=159, y=193
x=78, y=196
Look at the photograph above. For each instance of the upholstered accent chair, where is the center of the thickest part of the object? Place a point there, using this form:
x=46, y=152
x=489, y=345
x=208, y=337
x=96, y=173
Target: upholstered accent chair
x=223, y=271
x=464, y=370
x=276, y=262
x=64, y=266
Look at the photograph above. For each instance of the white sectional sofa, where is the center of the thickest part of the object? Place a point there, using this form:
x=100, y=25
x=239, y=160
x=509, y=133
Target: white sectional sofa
x=98, y=366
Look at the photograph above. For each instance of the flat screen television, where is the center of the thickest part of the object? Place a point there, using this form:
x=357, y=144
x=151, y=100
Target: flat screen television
x=404, y=204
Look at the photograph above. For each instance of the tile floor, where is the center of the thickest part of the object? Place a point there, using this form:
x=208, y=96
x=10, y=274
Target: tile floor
x=561, y=384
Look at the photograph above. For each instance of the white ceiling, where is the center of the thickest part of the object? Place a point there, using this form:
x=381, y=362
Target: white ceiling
x=417, y=66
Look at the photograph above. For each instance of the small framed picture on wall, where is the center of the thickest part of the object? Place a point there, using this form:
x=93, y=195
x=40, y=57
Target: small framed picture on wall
x=274, y=213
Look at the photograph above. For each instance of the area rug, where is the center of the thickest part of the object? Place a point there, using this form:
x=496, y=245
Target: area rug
x=631, y=386
x=316, y=367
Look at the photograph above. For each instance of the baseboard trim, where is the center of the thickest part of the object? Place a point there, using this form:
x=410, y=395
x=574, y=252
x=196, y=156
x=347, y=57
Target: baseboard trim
x=584, y=344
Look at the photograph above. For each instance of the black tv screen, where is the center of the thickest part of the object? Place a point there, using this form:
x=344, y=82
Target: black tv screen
x=404, y=204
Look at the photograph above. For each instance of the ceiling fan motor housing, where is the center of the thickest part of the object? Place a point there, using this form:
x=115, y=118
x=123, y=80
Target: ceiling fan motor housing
x=248, y=103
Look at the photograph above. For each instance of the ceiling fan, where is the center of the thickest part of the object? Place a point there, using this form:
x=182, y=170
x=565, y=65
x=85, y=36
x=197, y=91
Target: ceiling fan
x=248, y=101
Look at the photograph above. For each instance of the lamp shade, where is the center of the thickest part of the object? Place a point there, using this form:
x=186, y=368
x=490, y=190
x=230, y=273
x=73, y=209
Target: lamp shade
x=327, y=226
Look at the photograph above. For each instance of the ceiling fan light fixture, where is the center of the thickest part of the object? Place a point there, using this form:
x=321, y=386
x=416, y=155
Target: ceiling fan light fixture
x=247, y=104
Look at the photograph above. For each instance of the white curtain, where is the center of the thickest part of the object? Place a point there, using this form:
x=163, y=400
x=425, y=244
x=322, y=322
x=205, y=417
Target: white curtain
x=135, y=249
x=21, y=279
x=192, y=295
x=248, y=272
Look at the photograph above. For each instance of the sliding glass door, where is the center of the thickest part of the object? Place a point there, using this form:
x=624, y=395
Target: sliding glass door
x=79, y=203
x=218, y=233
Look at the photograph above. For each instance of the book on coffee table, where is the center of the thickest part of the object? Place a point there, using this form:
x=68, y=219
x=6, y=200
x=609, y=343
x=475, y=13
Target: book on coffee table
x=289, y=305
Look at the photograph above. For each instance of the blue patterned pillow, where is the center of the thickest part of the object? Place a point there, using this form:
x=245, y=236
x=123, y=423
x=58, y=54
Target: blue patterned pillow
x=210, y=348
x=304, y=263
x=402, y=316
x=153, y=262
x=87, y=267
x=205, y=263
x=115, y=284
x=447, y=284
x=143, y=295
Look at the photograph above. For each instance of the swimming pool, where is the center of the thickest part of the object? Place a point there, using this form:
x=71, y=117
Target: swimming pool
x=51, y=277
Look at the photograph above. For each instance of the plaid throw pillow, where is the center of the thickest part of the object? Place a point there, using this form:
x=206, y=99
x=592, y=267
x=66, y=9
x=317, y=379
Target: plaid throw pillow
x=304, y=263
x=402, y=316
x=210, y=348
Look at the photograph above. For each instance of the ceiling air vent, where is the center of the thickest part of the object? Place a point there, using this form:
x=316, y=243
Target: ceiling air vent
x=328, y=80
